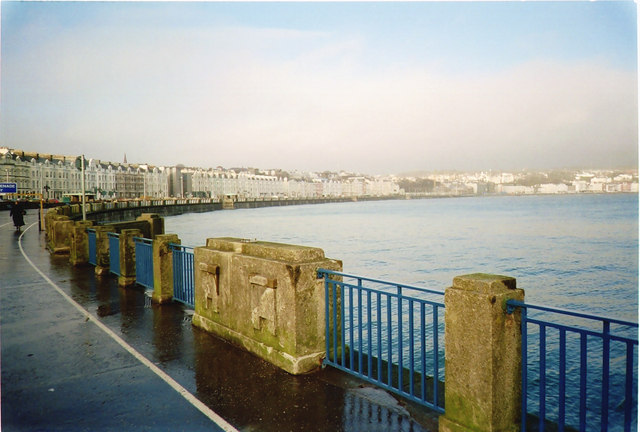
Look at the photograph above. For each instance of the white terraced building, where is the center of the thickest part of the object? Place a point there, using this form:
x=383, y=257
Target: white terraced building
x=55, y=176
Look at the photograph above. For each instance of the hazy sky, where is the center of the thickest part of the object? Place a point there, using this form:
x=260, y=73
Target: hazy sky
x=371, y=87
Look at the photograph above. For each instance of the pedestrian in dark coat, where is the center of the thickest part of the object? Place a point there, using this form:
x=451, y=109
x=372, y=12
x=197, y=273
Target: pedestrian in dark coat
x=17, y=213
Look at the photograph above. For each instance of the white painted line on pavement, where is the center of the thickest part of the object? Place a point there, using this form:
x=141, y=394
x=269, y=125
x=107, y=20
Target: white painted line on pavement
x=222, y=423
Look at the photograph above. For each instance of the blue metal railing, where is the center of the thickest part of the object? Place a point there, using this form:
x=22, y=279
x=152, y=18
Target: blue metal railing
x=183, y=280
x=114, y=253
x=595, y=384
x=93, y=254
x=144, y=261
x=379, y=333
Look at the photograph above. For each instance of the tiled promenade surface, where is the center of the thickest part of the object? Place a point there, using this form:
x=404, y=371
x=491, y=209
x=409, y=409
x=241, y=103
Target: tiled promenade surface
x=81, y=354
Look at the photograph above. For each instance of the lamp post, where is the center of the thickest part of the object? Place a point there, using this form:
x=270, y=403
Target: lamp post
x=84, y=199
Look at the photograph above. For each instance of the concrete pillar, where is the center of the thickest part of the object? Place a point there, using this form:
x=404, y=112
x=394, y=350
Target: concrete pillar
x=102, y=250
x=227, y=203
x=482, y=355
x=79, y=253
x=156, y=223
x=128, y=257
x=163, y=268
x=49, y=217
x=264, y=297
x=59, y=241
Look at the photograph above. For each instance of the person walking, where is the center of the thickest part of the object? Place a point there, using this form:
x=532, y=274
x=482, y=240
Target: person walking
x=17, y=213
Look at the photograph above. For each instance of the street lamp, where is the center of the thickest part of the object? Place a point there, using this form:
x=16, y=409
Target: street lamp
x=82, y=183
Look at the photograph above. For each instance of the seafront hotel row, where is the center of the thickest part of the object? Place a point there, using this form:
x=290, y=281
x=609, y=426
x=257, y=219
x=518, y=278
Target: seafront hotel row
x=55, y=175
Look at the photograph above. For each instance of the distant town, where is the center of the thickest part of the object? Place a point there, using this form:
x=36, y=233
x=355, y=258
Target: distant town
x=56, y=177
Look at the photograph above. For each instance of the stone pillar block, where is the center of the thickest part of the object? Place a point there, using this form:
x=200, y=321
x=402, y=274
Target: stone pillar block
x=102, y=250
x=128, y=257
x=482, y=355
x=49, y=217
x=264, y=297
x=59, y=241
x=227, y=203
x=163, y=268
x=156, y=223
x=79, y=253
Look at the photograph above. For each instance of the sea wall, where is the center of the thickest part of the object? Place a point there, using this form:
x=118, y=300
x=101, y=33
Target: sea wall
x=101, y=212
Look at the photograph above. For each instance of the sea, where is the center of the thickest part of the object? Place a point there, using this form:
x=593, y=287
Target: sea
x=577, y=252
x=572, y=251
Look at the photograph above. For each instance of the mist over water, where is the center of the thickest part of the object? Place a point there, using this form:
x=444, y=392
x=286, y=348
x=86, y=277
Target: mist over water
x=572, y=251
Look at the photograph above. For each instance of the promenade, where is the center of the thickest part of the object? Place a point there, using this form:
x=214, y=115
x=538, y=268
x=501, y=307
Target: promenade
x=81, y=354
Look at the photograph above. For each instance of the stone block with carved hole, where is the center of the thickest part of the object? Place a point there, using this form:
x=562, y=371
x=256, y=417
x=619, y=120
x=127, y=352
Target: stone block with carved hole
x=264, y=297
x=263, y=303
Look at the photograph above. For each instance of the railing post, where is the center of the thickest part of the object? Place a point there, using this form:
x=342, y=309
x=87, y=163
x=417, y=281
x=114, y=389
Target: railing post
x=128, y=257
x=163, y=267
x=482, y=355
x=156, y=224
x=79, y=252
x=102, y=250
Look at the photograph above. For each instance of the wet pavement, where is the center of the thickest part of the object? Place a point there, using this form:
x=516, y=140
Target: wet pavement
x=61, y=371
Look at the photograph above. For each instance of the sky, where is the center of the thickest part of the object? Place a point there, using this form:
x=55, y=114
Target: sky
x=375, y=88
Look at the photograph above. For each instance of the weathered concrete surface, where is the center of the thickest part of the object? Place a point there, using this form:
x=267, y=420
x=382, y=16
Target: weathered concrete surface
x=79, y=243
x=265, y=297
x=64, y=236
x=227, y=203
x=482, y=357
x=102, y=250
x=60, y=234
x=49, y=216
x=144, y=225
x=163, y=268
x=128, y=257
x=60, y=373
x=156, y=224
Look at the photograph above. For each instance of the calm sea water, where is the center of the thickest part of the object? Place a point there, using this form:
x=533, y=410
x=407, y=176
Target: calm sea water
x=573, y=251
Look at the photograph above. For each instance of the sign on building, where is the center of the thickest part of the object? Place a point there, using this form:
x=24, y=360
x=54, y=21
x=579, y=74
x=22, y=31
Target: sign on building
x=8, y=188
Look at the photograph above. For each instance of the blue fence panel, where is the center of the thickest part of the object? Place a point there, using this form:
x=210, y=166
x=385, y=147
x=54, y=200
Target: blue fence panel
x=144, y=261
x=114, y=253
x=183, y=285
x=578, y=369
x=386, y=333
x=93, y=254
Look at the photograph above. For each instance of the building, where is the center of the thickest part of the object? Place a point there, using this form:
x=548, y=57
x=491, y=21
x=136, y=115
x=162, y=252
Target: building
x=49, y=175
x=55, y=175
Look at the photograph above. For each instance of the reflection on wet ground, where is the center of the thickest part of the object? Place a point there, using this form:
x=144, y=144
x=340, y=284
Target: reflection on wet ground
x=246, y=391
